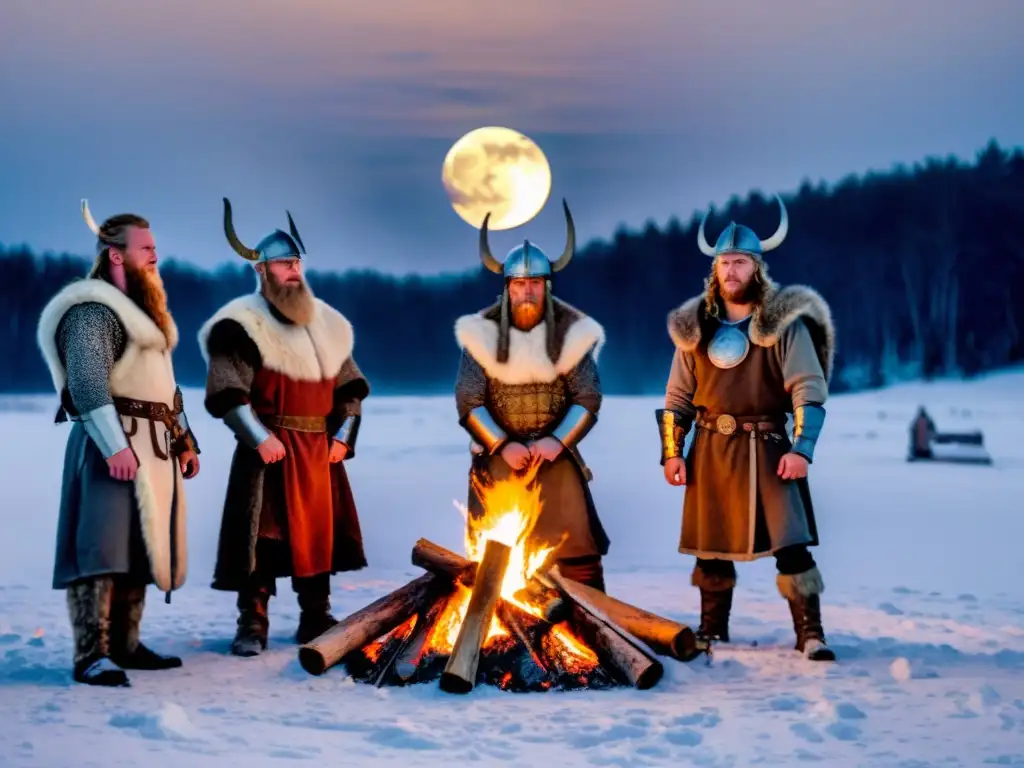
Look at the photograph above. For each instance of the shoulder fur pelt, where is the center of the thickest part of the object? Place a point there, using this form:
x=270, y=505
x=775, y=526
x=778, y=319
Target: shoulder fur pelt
x=302, y=352
x=139, y=326
x=528, y=360
x=770, y=319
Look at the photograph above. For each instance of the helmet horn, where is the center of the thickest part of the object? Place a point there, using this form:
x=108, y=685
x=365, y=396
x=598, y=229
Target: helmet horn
x=570, y=241
x=89, y=220
x=775, y=240
x=295, y=233
x=702, y=239
x=485, y=249
x=229, y=230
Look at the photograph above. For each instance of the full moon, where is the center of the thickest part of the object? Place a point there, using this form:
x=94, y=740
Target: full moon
x=496, y=170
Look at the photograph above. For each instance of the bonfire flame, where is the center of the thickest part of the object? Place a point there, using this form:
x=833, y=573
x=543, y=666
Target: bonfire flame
x=511, y=509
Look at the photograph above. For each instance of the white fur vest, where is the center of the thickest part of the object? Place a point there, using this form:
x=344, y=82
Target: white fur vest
x=313, y=352
x=528, y=360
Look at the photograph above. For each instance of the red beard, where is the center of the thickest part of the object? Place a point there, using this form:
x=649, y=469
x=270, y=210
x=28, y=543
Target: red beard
x=525, y=315
x=146, y=288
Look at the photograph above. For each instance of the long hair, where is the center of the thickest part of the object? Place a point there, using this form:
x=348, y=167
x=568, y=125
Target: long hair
x=113, y=234
x=760, y=285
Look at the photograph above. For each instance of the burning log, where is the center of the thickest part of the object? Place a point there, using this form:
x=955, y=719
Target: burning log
x=663, y=636
x=408, y=659
x=460, y=672
x=618, y=648
x=364, y=626
x=443, y=562
x=436, y=559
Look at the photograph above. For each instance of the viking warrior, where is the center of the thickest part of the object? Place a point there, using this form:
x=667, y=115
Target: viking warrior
x=282, y=377
x=528, y=390
x=107, y=341
x=748, y=353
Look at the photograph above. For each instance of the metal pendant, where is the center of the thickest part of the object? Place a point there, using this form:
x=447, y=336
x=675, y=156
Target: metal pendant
x=728, y=347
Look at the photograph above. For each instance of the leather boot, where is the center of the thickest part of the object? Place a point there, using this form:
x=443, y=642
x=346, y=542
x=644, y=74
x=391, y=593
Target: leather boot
x=715, y=603
x=314, y=595
x=89, y=604
x=125, y=619
x=253, y=620
x=802, y=591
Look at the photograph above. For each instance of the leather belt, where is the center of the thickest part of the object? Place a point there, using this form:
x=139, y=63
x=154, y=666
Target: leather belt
x=154, y=412
x=295, y=423
x=727, y=424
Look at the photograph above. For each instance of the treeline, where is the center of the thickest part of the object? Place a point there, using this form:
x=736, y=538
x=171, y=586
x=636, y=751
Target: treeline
x=923, y=268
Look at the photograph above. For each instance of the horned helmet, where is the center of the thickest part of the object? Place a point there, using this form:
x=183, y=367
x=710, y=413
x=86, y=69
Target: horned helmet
x=276, y=246
x=524, y=261
x=737, y=238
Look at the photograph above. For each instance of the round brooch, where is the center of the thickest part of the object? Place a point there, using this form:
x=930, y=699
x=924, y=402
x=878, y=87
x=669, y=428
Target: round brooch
x=728, y=347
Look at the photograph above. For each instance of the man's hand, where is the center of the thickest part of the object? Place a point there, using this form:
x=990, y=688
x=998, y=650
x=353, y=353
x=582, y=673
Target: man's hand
x=123, y=465
x=792, y=466
x=338, y=451
x=547, y=448
x=271, y=450
x=189, y=463
x=675, y=471
x=516, y=455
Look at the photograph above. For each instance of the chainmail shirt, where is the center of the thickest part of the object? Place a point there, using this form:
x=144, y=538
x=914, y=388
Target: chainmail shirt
x=527, y=411
x=90, y=341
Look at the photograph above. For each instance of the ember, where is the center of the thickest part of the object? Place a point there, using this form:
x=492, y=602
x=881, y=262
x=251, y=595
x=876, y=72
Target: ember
x=500, y=617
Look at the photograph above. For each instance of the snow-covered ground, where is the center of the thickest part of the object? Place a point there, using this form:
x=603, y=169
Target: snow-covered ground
x=924, y=604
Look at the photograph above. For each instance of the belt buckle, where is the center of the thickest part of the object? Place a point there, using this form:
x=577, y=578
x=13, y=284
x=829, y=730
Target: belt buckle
x=725, y=424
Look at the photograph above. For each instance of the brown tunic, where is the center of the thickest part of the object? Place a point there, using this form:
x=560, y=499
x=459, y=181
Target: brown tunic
x=736, y=507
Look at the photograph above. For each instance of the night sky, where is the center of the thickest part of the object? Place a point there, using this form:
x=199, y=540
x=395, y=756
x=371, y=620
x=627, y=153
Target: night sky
x=342, y=112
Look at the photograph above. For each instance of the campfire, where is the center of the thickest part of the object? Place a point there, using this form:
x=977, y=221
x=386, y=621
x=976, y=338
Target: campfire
x=500, y=616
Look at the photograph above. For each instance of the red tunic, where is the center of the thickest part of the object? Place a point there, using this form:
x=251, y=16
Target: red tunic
x=298, y=502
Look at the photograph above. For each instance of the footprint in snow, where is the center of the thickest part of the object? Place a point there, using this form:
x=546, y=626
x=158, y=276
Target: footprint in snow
x=806, y=732
x=684, y=737
x=707, y=717
x=844, y=731
x=787, y=704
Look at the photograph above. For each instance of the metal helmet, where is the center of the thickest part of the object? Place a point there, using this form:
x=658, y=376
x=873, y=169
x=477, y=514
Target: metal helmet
x=527, y=260
x=737, y=238
x=276, y=246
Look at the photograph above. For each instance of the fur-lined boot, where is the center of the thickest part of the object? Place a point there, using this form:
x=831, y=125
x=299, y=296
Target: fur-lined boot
x=715, y=603
x=802, y=591
x=314, y=595
x=89, y=605
x=253, y=619
x=126, y=649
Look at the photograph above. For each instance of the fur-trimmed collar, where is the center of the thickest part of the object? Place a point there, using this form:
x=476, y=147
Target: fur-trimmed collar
x=528, y=360
x=311, y=352
x=139, y=326
x=771, y=318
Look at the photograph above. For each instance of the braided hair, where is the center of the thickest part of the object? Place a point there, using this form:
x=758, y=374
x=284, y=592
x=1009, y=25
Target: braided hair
x=113, y=234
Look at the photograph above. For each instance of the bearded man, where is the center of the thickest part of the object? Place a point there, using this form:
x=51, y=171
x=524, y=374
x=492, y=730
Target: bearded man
x=107, y=341
x=528, y=391
x=281, y=376
x=747, y=354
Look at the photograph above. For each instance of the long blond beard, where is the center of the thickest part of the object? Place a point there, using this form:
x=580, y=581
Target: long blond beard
x=146, y=288
x=525, y=315
x=294, y=301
